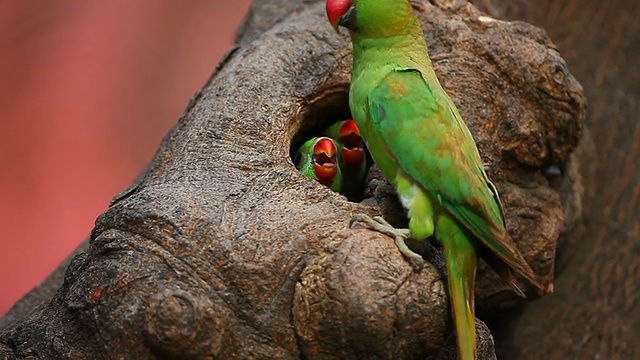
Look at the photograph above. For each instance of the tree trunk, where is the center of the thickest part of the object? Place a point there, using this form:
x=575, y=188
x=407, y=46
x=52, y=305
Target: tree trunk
x=595, y=310
x=222, y=249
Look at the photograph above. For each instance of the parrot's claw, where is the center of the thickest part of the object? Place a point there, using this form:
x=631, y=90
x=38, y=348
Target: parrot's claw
x=384, y=222
x=417, y=262
x=379, y=224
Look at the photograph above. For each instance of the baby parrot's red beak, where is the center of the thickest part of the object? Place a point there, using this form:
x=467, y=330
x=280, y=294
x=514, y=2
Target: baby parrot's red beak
x=352, y=147
x=324, y=160
x=349, y=127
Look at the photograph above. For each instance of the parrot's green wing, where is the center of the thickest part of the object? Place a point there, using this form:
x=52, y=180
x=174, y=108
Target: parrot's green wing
x=442, y=157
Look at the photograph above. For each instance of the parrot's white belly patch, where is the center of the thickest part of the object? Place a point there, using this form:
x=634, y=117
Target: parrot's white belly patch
x=407, y=199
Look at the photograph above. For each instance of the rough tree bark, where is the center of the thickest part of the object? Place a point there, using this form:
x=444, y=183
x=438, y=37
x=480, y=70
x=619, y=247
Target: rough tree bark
x=221, y=249
x=595, y=310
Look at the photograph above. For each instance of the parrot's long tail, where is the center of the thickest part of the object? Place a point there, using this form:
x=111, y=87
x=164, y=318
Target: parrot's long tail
x=461, y=259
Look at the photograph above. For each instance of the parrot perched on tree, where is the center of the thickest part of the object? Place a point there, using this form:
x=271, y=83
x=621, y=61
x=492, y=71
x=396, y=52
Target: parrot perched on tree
x=318, y=159
x=416, y=135
x=354, y=161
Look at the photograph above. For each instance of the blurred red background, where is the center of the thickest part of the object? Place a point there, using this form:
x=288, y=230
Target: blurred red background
x=87, y=91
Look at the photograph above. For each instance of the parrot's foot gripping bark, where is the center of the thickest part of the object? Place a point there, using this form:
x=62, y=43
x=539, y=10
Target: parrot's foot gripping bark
x=379, y=224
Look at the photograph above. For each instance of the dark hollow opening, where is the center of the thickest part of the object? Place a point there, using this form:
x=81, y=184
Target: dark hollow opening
x=318, y=114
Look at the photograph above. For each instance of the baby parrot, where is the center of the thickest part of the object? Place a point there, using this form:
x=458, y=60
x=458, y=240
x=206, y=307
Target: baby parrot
x=418, y=139
x=353, y=160
x=318, y=159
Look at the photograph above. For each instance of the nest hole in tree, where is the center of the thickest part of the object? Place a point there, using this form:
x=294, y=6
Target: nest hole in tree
x=320, y=112
x=326, y=107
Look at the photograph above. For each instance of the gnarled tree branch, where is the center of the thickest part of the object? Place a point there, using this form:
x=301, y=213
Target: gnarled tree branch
x=223, y=250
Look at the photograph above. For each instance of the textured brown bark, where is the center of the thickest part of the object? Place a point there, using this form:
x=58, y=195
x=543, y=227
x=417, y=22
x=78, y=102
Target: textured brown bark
x=223, y=250
x=595, y=311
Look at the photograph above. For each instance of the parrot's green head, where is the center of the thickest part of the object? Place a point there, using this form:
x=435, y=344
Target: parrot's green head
x=371, y=18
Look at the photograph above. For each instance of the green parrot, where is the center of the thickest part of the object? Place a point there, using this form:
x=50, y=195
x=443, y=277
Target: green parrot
x=353, y=160
x=318, y=159
x=417, y=137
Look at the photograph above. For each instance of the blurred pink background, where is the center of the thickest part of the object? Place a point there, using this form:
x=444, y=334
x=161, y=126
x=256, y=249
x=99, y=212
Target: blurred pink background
x=87, y=91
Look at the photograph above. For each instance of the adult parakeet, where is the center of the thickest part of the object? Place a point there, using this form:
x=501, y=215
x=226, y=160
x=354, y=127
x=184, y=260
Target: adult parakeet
x=318, y=159
x=416, y=136
x=354, y=161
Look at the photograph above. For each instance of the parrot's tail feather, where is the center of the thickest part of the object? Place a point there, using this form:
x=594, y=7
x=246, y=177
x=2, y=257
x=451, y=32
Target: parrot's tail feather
x=507, y=275
x=504, y=270
x=507, y=272
x=517, y=290
x=461, y=260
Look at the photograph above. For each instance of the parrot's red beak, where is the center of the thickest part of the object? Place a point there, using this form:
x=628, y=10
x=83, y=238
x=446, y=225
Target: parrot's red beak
x=353, y=157
x=352, y=146
x=324, y=161
x=349, y=127
x=336, y=9
x=324, y=149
